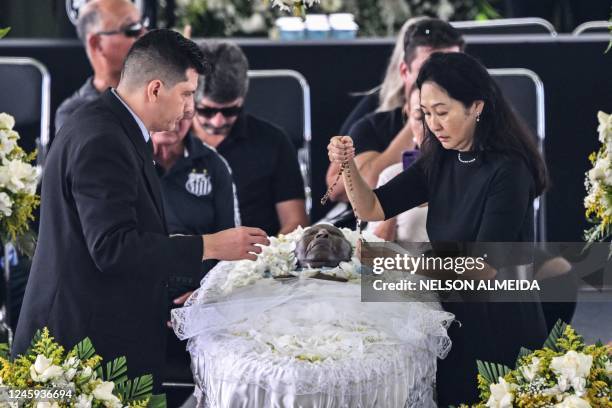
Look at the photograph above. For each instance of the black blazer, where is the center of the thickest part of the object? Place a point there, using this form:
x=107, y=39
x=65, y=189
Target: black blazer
x=103, y=257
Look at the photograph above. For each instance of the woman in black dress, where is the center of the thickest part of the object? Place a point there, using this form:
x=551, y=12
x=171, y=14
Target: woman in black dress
x=480, y=172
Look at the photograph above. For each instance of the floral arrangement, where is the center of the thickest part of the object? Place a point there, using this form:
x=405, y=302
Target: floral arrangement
x=598, y=183
x=564, y=373
x=385, y=17
x=18, y=180
x=225, y=18
x=278, y=259
x=46, y=377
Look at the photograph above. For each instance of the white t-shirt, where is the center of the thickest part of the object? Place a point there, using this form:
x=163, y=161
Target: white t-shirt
x=411, y=224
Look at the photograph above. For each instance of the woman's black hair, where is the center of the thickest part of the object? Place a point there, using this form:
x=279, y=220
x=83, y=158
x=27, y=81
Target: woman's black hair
x=499, y=129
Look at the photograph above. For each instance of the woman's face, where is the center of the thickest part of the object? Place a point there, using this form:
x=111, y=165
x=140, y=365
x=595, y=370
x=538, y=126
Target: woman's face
x=415, y=117
x=448, y=119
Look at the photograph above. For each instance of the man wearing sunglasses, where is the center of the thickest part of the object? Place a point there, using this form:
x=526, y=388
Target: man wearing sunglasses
x=108, y=28
x=263, y=160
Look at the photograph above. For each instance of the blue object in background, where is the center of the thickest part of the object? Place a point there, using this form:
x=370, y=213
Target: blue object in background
x=409, y=157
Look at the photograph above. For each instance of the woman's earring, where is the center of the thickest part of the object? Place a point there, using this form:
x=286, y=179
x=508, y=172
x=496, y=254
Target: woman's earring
x=478, y=117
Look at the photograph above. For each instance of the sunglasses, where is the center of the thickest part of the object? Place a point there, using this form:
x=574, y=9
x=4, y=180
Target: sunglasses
x=209, y=112
x=131, y=30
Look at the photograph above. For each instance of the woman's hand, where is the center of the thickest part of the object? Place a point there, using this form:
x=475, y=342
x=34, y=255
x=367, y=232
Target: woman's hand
x=340, y=149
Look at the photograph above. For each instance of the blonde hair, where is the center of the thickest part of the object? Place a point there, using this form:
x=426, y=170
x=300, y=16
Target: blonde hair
x=392, y=94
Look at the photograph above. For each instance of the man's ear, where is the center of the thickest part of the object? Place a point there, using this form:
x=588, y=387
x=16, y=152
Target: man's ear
x=92, y=42
x=153, y=90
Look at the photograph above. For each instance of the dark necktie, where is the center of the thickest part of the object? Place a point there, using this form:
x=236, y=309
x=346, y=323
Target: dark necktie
x=150, y=145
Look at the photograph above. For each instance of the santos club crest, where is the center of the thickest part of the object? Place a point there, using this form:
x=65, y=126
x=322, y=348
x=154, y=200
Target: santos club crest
x=199, y=184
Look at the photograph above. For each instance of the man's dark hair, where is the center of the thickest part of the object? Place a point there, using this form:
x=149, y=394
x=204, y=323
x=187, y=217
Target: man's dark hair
x=228, y=77
x=430, y=32
x=161, y=54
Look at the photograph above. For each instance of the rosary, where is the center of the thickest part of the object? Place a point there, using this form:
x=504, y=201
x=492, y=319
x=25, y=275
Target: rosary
x=344, y=167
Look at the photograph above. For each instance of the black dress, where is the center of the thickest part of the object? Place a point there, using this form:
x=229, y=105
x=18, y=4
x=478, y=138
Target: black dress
x=488, y=199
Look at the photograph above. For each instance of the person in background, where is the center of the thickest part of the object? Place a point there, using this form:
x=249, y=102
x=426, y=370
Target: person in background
x=197, y=192
x=381, y=137
x=262, y=158
x=107, y=28
x=408, y=226
x=390, y=93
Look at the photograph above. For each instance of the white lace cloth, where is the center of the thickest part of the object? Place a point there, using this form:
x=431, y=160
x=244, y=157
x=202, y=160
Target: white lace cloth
x=308, y=343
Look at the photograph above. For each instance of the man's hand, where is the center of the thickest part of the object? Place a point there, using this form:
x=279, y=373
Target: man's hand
x=179, y=301
x=234, y=244
x=183, y=298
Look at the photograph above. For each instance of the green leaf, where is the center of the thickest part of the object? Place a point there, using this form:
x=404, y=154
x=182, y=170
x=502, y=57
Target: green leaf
x=5, y=351
x=491, y=371
x=555, y=334
x=157, y=401
x=136, y=389
x=116, y=370
x=35, y=340
x=26, y=243
x=4, y=31
x=84, y=349
x=522, y=353
x=485, y=372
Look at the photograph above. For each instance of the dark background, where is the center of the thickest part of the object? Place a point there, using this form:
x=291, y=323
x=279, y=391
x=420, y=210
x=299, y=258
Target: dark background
x=575, y=72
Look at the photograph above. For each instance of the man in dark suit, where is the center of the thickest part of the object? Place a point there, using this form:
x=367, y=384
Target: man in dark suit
x=103, y=258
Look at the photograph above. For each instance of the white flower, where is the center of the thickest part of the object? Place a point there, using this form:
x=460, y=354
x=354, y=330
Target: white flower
x=87, y=374
x=8, y=141
x=19, y=176
x=605, y=126
x=43, y=369
x=572, y=401
x=598, y=172
x=5, y=205
x=255, y=23
x=46, y=404
x=579, y=386
x=104, y=392
x=501, y=395
x=572, y=365
x=6, y=121
x=445, y=10
x=70, y=368
x=530, y=371
x=571, y=370
x=609, y=368
x=83, y=401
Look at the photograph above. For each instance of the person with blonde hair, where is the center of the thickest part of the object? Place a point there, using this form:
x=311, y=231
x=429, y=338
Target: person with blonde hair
x=390, y=93
x=380, y=137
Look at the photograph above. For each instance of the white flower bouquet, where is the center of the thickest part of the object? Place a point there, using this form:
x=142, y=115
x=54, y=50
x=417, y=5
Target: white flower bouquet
x=564, y=373
x=598, y=183
x=46, y=377
x=278, y=259
x=18, y=180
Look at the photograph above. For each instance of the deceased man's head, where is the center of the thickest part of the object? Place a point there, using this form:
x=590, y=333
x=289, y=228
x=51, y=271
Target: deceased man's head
x=322, y=245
